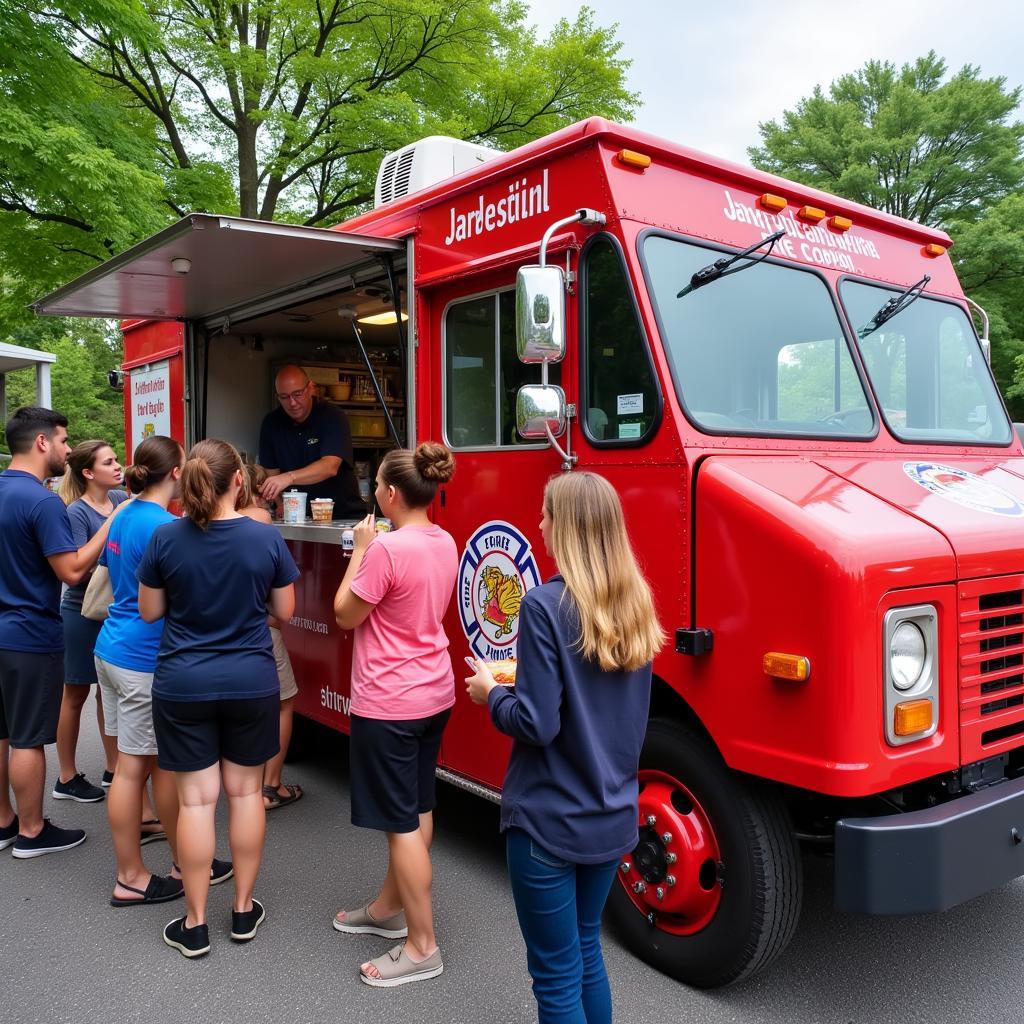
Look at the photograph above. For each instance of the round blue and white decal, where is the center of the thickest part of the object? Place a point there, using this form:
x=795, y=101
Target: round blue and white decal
x=966, y=489
x=496, y=571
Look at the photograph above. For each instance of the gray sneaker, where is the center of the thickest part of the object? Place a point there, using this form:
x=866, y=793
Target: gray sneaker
x=80, y=789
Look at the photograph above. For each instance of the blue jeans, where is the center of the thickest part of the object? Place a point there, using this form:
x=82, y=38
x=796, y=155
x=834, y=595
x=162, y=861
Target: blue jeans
x=559, y=909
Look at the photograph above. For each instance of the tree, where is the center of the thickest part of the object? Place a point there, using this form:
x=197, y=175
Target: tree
x=300, y=99
x=904, y=141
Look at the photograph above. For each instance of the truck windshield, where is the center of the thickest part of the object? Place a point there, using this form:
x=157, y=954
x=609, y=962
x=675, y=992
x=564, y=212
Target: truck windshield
x=760, y=352
x=927, y=370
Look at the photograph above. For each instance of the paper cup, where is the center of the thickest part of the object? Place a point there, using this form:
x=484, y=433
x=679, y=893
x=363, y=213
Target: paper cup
x=294, y=506
x=322, y=509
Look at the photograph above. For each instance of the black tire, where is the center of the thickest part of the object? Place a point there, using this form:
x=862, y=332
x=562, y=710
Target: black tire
x=762, y=880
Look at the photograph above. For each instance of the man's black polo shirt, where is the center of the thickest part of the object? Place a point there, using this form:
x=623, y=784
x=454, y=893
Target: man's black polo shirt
x=286, y=445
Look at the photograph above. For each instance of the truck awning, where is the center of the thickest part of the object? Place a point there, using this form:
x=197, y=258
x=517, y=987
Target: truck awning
x=235, y=268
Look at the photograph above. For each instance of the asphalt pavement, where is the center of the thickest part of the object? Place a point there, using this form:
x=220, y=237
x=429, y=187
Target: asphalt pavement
x=67, y=956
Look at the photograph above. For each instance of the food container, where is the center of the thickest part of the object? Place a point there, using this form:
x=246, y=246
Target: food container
x=294, y=506
x=383, y=525
x=348, y=542
x=322, y=509
x=340, y=392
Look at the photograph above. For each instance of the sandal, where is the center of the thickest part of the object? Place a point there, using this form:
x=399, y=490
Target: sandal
x=160, y=889
x=275, y=798
x=151, y=837
x=396, y=967
x=362, y=922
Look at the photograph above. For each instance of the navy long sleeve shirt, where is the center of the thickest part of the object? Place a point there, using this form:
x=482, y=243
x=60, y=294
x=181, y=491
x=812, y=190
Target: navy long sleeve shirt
x=572, y=778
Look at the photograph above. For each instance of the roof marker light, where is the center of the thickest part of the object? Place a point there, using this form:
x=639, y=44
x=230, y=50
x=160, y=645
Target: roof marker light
x=631, y=158
x=773, y=202
x=811, y=213
x=933, y=249
x=838, y=223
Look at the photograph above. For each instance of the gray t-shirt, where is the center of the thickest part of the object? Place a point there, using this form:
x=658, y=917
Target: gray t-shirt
x=85, y=521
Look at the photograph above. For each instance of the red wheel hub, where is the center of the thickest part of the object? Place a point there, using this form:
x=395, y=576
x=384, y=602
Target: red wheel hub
x=674, y=872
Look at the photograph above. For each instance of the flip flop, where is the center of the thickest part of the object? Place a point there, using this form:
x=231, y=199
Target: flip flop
x=275, y=798
x=160, y=889
x=396, y=967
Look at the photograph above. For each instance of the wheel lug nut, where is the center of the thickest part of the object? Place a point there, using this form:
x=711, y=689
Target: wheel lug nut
x=639, y=888
x=651, y=820
x=666, y=837
x=670, y=879
x=671, y=858
x=660, y=893
x=625, y=866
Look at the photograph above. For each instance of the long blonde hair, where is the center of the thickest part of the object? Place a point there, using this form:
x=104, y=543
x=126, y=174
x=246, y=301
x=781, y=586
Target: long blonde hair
x=619, y=627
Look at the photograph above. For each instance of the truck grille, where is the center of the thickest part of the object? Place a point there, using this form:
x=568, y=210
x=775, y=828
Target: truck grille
x=991, y=615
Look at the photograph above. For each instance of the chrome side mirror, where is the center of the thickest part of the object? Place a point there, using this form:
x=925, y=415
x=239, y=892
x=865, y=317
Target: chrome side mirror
x=540, y=314
x=540, y=407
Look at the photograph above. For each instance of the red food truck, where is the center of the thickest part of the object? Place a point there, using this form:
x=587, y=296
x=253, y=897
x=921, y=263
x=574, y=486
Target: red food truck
x=787, y=390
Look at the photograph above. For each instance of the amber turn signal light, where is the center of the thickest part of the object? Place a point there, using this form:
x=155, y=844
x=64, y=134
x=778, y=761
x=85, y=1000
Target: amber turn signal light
x=772, y=202
x=838, y=223
x=811, y=213
x=912, y=716
x=631, y=158
x=786, y=666
x=933, y=249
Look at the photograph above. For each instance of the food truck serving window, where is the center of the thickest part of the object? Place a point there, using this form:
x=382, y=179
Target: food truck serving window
x=622, y=397
x=760, y=351
x=483, y=373
x=927, y=369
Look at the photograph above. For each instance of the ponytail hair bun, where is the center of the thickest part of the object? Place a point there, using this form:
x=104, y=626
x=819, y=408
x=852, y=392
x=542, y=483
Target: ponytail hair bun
x=416, y=475
x=434, y=462
x=154, y=460
x=136, y=477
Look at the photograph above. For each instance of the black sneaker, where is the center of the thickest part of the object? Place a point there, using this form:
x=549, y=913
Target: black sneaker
x=108, y=778
x=244, y=924
x=190, y=942
x=220, y=871
x=79, y=788
x=50, y=840
x=9, y=834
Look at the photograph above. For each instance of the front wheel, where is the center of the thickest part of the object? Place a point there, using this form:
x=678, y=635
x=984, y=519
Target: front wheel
x=712, y=892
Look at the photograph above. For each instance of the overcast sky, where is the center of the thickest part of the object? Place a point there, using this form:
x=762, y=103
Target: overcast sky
x=708, y=73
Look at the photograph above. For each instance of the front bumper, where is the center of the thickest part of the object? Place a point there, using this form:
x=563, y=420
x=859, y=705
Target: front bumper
x=931, y=860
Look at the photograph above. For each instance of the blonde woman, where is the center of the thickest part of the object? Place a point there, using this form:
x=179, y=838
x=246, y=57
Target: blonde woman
x=91, y=489
x=578, y=714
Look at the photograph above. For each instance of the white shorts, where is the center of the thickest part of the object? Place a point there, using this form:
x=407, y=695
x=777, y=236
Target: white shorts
x=127, y=707
x=285, y=675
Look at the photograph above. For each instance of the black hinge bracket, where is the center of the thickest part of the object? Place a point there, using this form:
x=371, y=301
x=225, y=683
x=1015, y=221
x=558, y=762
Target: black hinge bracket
x=694, y=642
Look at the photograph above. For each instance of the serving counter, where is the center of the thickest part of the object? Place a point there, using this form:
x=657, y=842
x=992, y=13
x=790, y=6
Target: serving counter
x=315, y=533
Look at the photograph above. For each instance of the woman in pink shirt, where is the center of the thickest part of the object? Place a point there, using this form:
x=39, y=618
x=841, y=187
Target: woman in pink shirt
x=395, y=593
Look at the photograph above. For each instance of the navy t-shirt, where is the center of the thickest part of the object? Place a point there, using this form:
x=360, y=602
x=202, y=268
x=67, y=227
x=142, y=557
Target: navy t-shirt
x=33, y=525
x=286, y=445
x=85, y=522
x=216, y=644
x=572, y=778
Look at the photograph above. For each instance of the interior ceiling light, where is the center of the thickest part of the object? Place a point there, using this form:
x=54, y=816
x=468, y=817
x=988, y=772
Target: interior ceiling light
x=379, y=319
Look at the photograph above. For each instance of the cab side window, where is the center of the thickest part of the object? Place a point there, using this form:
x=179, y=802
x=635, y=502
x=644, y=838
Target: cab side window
x=622, y=402
x=483, y=373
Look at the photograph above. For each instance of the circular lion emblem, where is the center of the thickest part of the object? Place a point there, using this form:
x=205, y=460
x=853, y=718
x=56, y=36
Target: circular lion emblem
x=966, y=489
x=496, y=571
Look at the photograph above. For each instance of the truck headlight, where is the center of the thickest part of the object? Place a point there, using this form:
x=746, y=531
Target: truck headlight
x=907, y=653
x=910, y=641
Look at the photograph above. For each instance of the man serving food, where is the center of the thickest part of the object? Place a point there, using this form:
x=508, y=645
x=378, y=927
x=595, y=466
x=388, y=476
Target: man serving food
x=307, y=444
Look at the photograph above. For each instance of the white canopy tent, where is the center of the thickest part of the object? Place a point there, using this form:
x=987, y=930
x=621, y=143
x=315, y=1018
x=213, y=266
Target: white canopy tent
x=15, y=357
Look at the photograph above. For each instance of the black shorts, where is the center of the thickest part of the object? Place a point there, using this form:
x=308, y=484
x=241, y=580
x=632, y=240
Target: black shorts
x=194, y=734
x=80, y=636
x=392, y=767
x=31, y=685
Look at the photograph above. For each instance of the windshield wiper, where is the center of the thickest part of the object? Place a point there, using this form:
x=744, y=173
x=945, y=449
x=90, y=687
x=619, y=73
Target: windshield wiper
x=895, y=305
x=720, y=268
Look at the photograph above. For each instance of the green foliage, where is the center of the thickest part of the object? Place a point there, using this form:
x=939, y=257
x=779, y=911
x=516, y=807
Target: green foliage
x=903, y=141
x=942, y=151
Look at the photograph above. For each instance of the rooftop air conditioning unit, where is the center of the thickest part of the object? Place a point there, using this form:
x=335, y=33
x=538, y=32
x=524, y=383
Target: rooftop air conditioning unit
x=424, y=163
